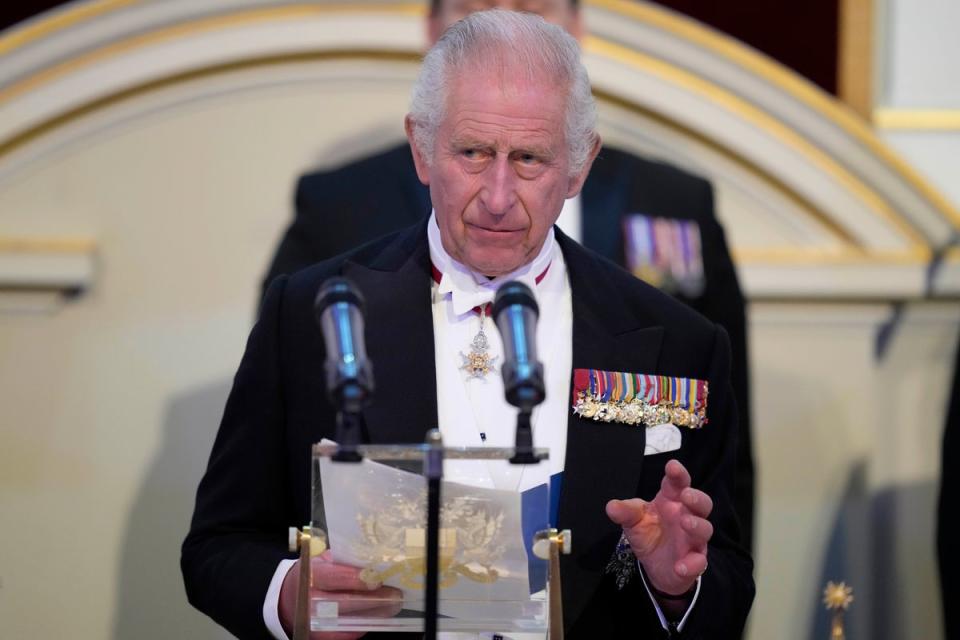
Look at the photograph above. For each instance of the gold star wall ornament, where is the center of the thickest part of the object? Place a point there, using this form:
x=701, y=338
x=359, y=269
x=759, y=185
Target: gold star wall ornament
x=837, y=598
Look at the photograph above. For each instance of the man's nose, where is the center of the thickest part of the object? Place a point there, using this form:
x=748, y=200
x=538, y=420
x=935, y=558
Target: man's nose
x=500, y=189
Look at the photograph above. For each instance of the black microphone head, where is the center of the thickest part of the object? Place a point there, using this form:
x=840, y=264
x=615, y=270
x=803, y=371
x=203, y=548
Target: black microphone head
x=337, y=289
x=338, y=309
x=515, y=313
x=514, y=292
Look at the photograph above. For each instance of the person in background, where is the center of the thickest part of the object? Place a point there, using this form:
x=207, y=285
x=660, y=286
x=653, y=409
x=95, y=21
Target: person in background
x=654, y=220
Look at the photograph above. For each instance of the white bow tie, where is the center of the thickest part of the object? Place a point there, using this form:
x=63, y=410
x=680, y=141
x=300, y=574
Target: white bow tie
x=466, y=293
x=469, y=290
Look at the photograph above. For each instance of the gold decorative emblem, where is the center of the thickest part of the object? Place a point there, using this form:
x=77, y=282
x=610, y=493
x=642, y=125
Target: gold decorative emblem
x=478, y=363
x=837, y=598
x=471, y=542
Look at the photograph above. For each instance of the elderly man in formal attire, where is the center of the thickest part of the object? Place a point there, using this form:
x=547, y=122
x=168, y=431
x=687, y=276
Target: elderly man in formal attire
x=653, y=219
x=502, y=130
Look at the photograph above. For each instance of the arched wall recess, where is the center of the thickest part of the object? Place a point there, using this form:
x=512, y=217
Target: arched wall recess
x=815, y=205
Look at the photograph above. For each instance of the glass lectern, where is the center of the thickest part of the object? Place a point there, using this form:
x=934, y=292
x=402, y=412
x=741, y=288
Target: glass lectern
x=497, y=557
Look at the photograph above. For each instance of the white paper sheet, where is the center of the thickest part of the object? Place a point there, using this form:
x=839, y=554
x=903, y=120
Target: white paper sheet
x=375, y=518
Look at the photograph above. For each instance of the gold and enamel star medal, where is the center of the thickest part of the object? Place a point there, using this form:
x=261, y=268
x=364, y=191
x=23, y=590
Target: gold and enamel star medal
x=478, y=363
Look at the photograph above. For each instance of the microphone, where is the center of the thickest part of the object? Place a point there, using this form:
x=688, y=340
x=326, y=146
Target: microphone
x=339, y=311
x=515, y=313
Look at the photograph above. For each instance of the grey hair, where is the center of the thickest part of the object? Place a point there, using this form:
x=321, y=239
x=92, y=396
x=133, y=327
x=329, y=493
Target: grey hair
x=505, y=40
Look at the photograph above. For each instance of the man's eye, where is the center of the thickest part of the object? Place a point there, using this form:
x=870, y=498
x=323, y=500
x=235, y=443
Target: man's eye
x=472, y=154
x=528, y=159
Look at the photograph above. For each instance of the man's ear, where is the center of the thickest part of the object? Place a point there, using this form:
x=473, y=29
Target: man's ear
x=423, y=168
x=576, y=181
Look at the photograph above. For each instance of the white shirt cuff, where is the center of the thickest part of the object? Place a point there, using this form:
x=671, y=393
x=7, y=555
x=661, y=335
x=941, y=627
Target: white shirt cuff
x=663, y=619
x=271, y=603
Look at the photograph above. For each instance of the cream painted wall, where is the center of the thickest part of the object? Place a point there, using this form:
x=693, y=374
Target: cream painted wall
x=110, y=402
x=919, y=46
x=918, y=50
x=918, y=55
x=846, y=445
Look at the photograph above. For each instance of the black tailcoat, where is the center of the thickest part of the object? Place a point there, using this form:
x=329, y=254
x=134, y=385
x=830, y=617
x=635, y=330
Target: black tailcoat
x=258, y=483
x=341, y=209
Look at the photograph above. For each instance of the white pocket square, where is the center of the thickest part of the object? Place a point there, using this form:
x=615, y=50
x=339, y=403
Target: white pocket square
x=662, y=438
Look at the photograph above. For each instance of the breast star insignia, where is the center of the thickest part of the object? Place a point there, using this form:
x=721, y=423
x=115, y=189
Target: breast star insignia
x=478, y=363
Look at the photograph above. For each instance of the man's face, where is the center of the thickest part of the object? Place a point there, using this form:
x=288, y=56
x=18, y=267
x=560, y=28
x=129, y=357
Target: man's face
x=559, y=12
x=500, y=170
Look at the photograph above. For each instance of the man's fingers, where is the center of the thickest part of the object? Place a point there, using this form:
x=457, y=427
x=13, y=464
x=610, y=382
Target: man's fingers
x=675, y=480
x=329, y=576
x=698, y=502
x=700, y=530
x=384, y=602
x=627, y=513
x=691, y=565
x=386, y=611
x=640, y=523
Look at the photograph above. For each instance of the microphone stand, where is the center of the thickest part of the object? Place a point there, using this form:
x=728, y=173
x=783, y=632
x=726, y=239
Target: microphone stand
x=523, y=443
x=338, y=308
x=349, y=423
x=433, y=470
x=515, y=313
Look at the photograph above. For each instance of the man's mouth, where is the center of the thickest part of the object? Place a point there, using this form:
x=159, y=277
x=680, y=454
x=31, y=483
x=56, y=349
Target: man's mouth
x=492, y=230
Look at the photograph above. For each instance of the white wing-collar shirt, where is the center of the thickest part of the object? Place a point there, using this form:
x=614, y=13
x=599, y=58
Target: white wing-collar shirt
x=472, y=411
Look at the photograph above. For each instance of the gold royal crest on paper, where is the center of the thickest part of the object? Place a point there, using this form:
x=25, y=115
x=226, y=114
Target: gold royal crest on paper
x=471, y=542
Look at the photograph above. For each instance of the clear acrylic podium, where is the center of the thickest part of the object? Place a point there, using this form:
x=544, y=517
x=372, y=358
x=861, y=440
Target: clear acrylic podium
x=498, y=561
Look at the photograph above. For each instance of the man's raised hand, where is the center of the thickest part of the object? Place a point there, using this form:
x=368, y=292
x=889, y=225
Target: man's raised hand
x=668, y=535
